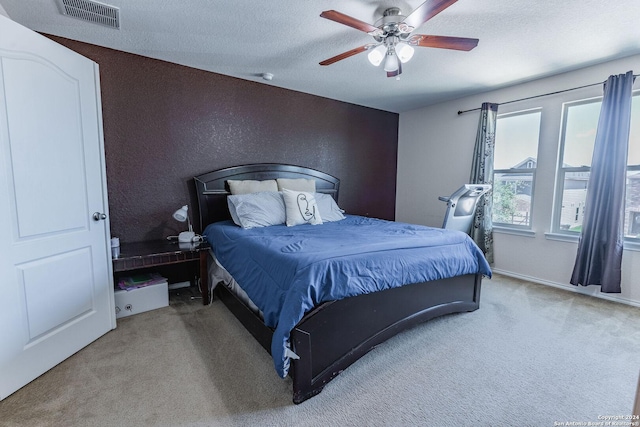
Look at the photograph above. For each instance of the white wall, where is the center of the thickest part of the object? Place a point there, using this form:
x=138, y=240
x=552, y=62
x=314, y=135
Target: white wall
x=435, y=146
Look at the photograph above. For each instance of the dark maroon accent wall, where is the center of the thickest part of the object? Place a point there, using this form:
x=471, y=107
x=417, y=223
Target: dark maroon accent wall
x=165, y=123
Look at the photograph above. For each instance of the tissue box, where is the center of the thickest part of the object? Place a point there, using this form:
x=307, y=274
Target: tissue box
x=142, y=299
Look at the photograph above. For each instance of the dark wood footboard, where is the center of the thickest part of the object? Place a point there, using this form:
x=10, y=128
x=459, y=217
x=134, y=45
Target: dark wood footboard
x=336, y=334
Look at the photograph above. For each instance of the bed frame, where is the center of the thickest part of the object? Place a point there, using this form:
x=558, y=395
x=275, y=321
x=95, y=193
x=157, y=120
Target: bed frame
x=335, y=334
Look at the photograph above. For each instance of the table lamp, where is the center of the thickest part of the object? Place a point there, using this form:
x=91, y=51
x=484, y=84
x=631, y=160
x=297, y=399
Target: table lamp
x=182, y=215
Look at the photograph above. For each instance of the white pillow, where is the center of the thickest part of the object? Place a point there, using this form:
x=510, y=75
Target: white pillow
x=257, y=209
x=301, y=208
x=248, y=186
x=329, y=210
x=307, y=185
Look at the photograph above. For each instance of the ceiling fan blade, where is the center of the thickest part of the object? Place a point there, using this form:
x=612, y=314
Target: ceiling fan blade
x=345, y=55
x=443, y=42
x=426, y=11
x=341, y=18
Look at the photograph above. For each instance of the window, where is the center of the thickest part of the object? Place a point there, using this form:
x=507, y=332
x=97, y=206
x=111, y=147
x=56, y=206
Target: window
x=580, y=122
x=514, y=163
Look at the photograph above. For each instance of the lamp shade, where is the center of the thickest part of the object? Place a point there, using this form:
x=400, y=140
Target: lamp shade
x=181, y=214
x=391, y=63
x=377, y=55
x=404, y=52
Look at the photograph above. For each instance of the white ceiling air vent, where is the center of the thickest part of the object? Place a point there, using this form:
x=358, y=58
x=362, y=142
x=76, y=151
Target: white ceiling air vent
x=91, y=11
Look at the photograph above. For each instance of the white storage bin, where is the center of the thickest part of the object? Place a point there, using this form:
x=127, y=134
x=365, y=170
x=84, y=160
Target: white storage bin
x=141, y=299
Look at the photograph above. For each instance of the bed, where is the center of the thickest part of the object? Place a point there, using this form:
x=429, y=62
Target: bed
x=329, y=335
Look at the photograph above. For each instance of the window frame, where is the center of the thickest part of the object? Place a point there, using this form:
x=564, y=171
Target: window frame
x=562, y=171
x=519, y=171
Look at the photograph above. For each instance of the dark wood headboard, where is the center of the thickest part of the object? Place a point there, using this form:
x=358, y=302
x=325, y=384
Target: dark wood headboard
x=212, y=188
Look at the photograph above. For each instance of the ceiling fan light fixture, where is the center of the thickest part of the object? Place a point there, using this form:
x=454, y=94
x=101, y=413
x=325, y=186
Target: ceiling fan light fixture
x=391, y=62
x=377, y=55
x=394, y=41
x=404, y=52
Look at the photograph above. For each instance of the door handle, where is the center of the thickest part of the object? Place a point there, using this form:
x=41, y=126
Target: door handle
x=97, y=216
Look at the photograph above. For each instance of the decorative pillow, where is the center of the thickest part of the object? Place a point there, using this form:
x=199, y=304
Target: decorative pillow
x=301, y=208
x=329, y=210
x=248, y=186
x=307, y=185
x=257, y=209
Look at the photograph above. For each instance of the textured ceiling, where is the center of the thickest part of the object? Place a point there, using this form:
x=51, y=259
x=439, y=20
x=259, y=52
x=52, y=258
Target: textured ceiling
x=520, y=40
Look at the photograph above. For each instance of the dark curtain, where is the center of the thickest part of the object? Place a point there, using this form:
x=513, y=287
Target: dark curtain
x=482, y=173
x=599, y=258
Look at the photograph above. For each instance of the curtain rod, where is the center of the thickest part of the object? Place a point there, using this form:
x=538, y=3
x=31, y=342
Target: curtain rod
x=539, y=96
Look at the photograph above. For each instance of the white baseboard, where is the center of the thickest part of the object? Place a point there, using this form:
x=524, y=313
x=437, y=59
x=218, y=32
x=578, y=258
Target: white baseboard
x=592, y=291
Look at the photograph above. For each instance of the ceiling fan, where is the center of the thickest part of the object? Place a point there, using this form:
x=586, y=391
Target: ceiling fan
x=393, y=39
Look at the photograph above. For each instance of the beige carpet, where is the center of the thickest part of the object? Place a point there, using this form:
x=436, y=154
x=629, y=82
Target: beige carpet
x=531, y=356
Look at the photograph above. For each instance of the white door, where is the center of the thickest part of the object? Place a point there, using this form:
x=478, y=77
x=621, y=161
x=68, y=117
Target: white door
x=56, y=291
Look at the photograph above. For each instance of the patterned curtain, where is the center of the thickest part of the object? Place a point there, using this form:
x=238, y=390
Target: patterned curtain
x=482, y=173
x=599, y=258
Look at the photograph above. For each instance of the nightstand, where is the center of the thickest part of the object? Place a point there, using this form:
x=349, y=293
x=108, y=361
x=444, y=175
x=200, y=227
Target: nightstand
x=142, y=255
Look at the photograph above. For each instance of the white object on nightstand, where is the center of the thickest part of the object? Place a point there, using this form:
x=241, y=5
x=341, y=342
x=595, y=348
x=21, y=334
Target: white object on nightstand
x=115, y=247
x=182, y=215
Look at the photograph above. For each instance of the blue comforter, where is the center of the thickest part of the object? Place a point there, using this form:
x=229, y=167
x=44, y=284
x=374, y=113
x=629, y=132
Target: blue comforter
x=286, y=271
